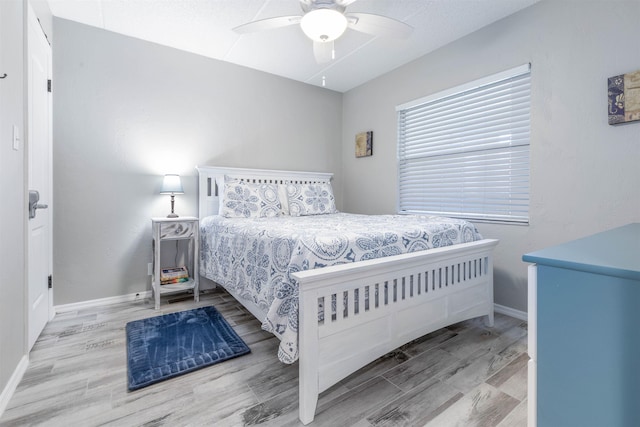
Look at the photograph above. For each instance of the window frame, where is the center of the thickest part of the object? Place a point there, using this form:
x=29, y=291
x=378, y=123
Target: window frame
x=522, y=214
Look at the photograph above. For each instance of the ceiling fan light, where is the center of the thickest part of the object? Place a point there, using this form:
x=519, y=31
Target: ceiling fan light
x=323, y=25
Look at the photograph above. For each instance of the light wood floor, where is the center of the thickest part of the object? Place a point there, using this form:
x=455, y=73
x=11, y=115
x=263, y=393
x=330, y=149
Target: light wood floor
x=463, y=375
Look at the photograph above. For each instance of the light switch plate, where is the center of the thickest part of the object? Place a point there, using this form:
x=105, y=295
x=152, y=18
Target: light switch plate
x=16, y=138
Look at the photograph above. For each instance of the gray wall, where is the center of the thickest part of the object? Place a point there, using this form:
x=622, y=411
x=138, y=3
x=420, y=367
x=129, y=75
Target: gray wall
x=13, y=331
x=128, y=111
x=584, y=173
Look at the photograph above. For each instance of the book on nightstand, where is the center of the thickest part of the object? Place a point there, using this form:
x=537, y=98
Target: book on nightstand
x=174, y=275
x=172, y=281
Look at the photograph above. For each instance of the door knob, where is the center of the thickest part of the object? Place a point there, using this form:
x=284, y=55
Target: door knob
x=34, y=198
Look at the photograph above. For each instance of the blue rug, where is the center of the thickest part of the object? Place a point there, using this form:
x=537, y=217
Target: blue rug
x=166, y=346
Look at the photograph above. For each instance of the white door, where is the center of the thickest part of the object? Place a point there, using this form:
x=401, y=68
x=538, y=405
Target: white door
x=39, y=170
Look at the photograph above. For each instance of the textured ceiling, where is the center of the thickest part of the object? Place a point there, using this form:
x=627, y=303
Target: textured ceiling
x=205, y=27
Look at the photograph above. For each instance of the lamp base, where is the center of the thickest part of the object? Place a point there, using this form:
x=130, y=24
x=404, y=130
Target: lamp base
x=172, y=215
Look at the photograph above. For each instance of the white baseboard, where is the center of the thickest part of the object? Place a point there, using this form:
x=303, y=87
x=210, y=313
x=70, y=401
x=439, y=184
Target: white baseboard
x=102, y=301
x=13, y=382
x=522, y=315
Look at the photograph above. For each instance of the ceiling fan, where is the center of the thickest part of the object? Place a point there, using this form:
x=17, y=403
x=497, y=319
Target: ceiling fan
x=324, y=21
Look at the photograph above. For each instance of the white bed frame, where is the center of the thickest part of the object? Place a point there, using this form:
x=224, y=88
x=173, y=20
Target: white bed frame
x=424, y=291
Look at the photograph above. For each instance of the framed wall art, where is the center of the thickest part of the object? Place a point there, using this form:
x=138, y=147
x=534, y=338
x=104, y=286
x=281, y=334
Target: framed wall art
x=364, y=144
x=624, y=98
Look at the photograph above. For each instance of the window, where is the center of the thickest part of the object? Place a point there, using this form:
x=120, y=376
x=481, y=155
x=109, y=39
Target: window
x=464, y=152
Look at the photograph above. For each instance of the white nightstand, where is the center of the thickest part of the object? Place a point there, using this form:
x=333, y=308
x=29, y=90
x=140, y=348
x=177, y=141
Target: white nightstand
x=172, y=229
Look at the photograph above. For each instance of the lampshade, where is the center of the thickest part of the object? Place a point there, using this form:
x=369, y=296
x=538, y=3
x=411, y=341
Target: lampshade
x=171, y=185
x=323, y=25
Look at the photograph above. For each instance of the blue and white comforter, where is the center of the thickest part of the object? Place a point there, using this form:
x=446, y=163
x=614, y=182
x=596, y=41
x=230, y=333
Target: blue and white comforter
x=254, y=257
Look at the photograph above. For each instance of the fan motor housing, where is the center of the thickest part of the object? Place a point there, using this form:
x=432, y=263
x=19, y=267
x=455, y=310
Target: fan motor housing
x=309, y=5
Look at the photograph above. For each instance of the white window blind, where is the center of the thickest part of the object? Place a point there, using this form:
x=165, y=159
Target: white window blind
x=464, y=152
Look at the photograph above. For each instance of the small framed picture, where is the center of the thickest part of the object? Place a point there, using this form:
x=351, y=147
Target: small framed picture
x=364, y=144
x=624, y=98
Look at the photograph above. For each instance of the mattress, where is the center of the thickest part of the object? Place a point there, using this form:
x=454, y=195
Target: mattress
x=254, y=257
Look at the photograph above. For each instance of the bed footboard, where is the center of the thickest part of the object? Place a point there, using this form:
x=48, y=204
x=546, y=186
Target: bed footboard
x=351, y=314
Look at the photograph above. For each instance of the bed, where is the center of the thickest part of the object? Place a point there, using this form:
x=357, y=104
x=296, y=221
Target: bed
x=339, y=307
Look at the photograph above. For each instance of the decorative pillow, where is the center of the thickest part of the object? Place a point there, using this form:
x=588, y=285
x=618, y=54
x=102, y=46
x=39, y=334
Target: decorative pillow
x=310, y=199
x=282, y=193
x=248, y=200
x=220, y=185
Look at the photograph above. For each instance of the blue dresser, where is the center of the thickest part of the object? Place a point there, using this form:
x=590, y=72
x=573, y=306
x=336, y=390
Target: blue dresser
x=584, y=331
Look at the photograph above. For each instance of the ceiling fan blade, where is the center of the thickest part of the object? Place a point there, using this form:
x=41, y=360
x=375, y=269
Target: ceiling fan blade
x=323, y=51
x=267, y=24
x=378, y=25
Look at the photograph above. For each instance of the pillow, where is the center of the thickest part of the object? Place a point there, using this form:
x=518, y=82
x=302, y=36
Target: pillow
x=282, y=194
x=248, y=200
x=220, y=185
x=310, y=199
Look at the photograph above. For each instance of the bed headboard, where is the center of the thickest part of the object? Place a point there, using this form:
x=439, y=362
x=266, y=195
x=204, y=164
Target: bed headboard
x=210, y=176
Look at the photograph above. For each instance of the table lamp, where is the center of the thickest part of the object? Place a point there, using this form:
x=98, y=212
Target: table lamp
x=172, y=185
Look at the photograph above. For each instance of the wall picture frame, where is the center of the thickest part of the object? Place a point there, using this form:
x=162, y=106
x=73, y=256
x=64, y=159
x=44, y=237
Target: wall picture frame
x=364, y=144
x=624, y=98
